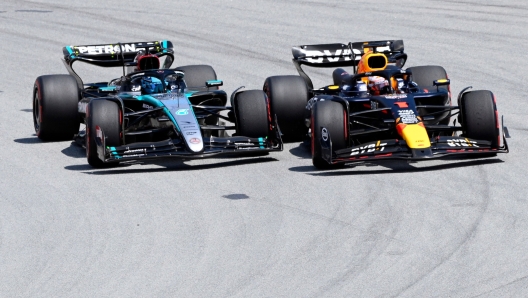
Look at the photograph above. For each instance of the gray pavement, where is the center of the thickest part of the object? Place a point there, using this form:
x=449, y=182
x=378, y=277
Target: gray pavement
x=269, y=226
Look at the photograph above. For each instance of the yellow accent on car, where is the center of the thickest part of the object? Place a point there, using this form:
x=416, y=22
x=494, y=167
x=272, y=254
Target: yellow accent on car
x=416, y=136
x=333, y=87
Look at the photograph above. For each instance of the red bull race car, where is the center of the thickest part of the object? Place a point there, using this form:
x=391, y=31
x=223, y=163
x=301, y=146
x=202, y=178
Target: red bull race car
x=152, y=110
x=380, y=110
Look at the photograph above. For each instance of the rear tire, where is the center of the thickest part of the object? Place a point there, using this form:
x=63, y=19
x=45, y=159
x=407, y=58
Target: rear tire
x=424, y=76
x=330, y=115
x=251, y=112
x=196, y=76
x=55, y=114
x=105, y=114
x=288, y=96
x=479, y=116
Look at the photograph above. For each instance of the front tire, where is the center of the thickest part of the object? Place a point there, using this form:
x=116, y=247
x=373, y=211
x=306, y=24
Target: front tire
x=104, y=114
x=55, y=100
x=196, y=76
x=252, y=115
x=288, y=96
x=479, y=116
x=331, y=116
x=424, y=76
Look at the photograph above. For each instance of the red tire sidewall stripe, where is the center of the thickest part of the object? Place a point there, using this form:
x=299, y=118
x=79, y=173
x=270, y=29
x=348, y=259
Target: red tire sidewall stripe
x=496, y=119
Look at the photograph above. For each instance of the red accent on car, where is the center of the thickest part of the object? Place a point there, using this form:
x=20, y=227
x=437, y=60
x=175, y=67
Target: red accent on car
x=401, y=104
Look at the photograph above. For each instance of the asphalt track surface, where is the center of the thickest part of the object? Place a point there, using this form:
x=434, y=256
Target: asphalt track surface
x=268, y=226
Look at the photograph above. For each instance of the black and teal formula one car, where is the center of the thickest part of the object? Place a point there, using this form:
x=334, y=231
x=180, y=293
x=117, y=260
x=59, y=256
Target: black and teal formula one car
x=152, y=110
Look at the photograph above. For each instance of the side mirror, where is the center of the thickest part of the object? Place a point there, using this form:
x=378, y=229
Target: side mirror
x=214, y=83
x=442, y=82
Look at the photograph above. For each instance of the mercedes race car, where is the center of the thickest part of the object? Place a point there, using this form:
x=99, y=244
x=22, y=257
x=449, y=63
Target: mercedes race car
x=381, y=110
x=151, y=110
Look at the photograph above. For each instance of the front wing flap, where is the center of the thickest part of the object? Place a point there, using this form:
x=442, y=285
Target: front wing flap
x=441, y=147
x=213, y=146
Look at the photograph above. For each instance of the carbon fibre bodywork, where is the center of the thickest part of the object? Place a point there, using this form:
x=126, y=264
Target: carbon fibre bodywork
x=171, y=119
x=406, y=121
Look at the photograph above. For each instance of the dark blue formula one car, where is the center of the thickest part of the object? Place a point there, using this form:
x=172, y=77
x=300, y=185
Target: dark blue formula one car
x=379, y=110
x=152, y=110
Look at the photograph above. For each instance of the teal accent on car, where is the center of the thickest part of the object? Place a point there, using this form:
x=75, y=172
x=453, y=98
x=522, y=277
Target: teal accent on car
x=107, y=89
x=113, y=151
x=72, y=54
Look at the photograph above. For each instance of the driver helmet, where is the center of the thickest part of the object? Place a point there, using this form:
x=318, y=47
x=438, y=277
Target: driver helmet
x=377, y=85
x=151, y=85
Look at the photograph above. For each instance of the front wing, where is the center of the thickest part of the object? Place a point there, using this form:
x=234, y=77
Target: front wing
x=213, y=146
x=441, y=147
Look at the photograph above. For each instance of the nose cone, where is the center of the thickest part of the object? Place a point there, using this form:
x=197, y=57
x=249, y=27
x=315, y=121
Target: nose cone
x=415, y=135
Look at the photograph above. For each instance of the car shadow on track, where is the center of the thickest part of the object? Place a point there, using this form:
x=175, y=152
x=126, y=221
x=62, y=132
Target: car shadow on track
x=74, y=150
x=169, y=166
x=32, y=140
x=391, y=167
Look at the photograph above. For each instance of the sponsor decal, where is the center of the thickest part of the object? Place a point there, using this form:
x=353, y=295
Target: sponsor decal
x=462, y=143
x=368, y=148
x=190, y=133
x=191, y=126
x=311, y=102
x=328, y=56
x=407, y=116
x=111, y=49
x=182, y=112
x=134, y=155
x=244, y=144
x=135, y=88
x=167, y=96
x=195, y=141
x=148, y=107
x=396, y=96
x=134, y=151
x=324, y=134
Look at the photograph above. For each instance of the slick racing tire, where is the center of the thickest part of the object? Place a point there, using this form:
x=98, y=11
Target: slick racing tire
x=479, y=117
x=331, y=116
x=251, y=113
x=196, y=76
x=104, y=114
x=55, y=114
x=424, y=76
x=288, y=96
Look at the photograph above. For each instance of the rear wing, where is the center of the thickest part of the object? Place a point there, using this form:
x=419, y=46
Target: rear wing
x=115, y=55
x=341, y=55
